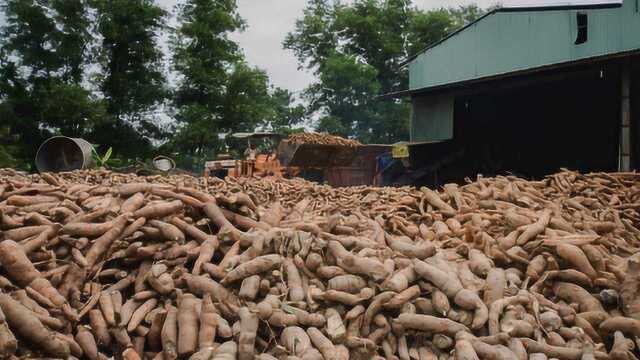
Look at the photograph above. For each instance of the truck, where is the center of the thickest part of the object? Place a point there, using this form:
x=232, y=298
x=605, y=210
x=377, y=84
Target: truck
x=235, y=163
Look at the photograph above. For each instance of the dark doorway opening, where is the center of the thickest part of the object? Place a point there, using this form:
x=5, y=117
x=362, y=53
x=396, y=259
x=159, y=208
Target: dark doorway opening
x=537, y=129
x=531, y=126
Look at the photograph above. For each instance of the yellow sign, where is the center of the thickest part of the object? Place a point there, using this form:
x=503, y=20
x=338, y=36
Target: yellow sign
x=400, y=151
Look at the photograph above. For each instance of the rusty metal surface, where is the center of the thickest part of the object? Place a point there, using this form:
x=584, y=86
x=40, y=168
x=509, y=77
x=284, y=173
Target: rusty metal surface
x=361, y=171
x=341, y=165
x=348, y=176
x=315, y=155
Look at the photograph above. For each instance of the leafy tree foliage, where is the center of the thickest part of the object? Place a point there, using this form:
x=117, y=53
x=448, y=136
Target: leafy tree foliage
x=314, y=39
x=132, y=80
x=344, y=92
x=42, y=60
x=429, y=27
x=95, y=69
x=217, y=91
x=202, y=56
x=44, y=65
x=356, y=50
x=284, y=115
x=74, y=37
x=202, y=50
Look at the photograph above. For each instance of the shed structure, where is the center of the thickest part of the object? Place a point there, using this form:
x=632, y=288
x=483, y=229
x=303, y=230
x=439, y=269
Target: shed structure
x=531, y=90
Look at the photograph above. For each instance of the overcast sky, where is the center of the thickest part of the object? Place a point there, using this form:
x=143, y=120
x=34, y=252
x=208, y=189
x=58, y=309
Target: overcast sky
x=270, y=20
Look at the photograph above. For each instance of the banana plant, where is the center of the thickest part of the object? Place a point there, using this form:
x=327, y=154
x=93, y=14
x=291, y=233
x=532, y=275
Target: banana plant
x=102, y=161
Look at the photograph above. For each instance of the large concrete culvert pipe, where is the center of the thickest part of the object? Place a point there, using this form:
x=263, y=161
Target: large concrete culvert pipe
x=61, y=153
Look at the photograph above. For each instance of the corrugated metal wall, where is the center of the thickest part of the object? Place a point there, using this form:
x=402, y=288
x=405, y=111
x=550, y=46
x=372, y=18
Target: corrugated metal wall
x=535, y=128
x=432, y=118
x=505, y=42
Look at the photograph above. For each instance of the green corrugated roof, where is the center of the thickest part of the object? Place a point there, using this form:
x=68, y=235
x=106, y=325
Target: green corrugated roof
x=521, y=39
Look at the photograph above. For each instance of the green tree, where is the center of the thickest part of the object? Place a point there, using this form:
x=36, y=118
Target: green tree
x=70, y=109
x=74, y=37
x=202, y=56
x=20, y=130
x=246, y=99
x=30, y=35
x=6, y=159
x=356, y=49
x=202, y=50
x=246, y=103
x=41, y=66
x=314, y=39
x=132, y=78
x=427, y=28
x=285, y=115
x=375, y=31
x=49, y=37
x=343, y=95
x=217, y=91
x=464, y=14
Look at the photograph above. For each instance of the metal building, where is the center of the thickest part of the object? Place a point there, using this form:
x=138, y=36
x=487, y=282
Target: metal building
x=530, y=90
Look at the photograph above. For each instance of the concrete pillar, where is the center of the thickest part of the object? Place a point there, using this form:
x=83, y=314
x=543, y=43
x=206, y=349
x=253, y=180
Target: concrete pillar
x=624, y=161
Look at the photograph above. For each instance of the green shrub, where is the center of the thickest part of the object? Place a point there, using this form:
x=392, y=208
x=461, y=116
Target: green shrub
x=6, y=159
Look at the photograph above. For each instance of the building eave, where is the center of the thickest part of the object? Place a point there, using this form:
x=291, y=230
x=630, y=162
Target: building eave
x=509, y=10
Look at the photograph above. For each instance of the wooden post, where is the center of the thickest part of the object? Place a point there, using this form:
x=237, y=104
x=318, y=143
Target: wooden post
x=624, y=161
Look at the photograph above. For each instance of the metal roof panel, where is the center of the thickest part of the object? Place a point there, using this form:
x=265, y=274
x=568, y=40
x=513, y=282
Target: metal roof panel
x=515, y=39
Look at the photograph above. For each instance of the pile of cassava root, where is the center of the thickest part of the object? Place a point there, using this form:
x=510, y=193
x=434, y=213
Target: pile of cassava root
x=96, y=265
x=321, y=139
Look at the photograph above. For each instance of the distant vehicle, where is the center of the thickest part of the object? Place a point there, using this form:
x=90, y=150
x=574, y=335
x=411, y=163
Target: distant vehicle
x=255, y=157
x=271, y=154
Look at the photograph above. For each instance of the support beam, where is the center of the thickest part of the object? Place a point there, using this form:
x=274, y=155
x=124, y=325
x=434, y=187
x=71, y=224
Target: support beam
x=624, y=161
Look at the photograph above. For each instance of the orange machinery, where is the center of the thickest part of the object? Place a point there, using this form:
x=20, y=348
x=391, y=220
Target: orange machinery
x=265, y=164
x=281, y=158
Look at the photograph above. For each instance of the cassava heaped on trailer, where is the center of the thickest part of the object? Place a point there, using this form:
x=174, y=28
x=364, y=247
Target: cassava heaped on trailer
x=321, y=139
x=97, y=264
